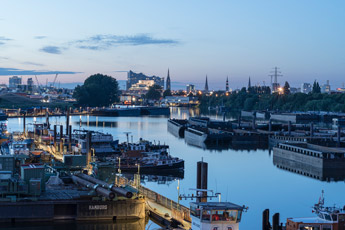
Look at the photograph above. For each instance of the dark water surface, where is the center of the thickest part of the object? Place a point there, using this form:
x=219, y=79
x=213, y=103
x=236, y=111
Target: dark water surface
x=242, y=177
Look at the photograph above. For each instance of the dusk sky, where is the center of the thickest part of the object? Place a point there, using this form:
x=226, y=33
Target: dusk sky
x=306, y=39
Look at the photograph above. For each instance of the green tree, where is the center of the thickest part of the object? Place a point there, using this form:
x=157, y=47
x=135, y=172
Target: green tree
x=154, y=92
x=97, y=90
x=286, y=88
x=316, y=87
x=167, y=93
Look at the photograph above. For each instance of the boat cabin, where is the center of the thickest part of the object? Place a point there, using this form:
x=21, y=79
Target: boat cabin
x=327, y=218
x=215, y=215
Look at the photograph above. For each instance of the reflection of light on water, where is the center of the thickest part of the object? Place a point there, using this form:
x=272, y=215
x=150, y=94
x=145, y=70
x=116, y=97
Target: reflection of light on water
x=19, y=120
x=34, y=119
x=96, y=121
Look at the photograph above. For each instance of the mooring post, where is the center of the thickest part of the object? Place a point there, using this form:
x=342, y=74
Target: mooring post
x=276, y=222
x=270, y=125
x=289, y=128
x=201, y=180
x=266, y=220
x=253, y=123
x=67, y=120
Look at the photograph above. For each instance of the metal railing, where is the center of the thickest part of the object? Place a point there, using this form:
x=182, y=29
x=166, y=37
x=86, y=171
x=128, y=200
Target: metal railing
x=179, y=211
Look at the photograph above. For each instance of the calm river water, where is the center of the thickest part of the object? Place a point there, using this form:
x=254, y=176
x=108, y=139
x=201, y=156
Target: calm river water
x=242, y=177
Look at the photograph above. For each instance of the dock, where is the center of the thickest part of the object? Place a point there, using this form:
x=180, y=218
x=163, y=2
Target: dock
x=162, y=210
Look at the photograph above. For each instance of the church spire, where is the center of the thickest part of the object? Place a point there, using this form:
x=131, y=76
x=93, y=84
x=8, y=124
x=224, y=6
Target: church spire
x=168, y=85
x=249, y=83
x=227, y=84
x=206, y=85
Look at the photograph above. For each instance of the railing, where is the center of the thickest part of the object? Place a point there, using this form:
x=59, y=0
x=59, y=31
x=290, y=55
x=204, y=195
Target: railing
x=179, y=212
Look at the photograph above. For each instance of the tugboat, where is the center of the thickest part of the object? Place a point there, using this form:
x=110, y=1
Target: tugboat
x=328, y=218
x=206, y=215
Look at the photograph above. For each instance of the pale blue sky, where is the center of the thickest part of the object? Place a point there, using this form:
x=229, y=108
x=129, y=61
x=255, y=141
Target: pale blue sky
x=193, y=38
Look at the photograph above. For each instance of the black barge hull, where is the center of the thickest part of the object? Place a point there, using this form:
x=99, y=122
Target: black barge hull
x=71, y=210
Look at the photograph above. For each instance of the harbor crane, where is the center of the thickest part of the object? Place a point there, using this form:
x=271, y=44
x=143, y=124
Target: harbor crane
x=54, y=80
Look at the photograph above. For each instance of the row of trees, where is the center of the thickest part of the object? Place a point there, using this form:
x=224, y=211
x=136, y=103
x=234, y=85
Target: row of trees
x=247, y=100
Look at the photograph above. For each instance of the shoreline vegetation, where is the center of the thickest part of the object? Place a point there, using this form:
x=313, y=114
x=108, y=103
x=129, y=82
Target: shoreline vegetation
x=253, y=100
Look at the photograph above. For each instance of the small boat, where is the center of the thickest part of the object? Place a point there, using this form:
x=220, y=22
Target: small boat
x=327, y=218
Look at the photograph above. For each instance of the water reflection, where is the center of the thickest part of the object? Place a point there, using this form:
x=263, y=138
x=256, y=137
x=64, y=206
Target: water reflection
x=111, y=124
x=308, y=170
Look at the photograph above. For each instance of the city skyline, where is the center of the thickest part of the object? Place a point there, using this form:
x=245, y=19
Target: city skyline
x=214, y=39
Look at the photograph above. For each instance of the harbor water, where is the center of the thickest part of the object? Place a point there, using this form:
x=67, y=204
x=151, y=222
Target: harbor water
x=244, y=177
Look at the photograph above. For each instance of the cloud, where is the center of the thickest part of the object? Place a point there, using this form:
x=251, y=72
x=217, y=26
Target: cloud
x=40, y=37
x=32, y=63
x=13, y=71
x=103, y=42
x=3, y=40
x=51, y=49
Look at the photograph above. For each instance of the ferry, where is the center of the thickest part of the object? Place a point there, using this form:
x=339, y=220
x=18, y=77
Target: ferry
x=327, y=218
x=216, y=215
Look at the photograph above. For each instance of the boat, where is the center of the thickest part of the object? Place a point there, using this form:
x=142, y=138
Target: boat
x=145, y=157
x=177, y=127
x=102, y=144
x=199, y=136
x=207, y=215
x=216, y=215
x=327, y=218
x=195, y=136
x=319, y=162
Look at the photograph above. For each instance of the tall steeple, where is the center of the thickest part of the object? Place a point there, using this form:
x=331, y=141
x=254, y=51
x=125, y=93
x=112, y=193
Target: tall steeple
x=206, y=85
x=227, y=84
x=249, y=84
x=168, y=85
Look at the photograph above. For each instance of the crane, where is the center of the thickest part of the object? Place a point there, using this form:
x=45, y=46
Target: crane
x=38, y=84
x=54, y=80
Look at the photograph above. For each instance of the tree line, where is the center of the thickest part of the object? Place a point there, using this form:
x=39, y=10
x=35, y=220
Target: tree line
x=258, y=99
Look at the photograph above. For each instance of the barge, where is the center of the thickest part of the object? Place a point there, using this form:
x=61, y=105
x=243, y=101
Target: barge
x=177, y=127
x=319, y=162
